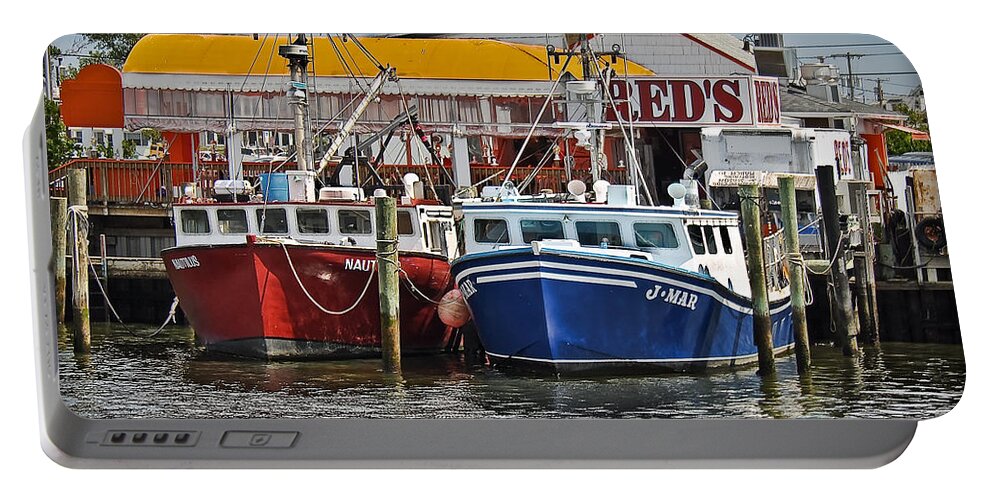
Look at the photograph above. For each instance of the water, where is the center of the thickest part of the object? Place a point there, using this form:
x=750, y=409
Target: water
x=168, y=376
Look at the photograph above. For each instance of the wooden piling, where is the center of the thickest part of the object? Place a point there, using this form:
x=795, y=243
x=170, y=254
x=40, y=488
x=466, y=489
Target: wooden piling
x=865, y=276
x=840, y=292
x=761, y=320
x=59, y=207
x=787, y=198
x=868, y=328
x=388, y=269
x=78, y=228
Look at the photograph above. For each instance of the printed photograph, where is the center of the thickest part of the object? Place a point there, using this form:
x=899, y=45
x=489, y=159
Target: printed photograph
x=545, y=225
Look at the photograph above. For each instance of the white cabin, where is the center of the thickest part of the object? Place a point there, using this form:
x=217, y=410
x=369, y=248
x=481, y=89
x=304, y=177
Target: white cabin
x=421, y=227
x=701, y=241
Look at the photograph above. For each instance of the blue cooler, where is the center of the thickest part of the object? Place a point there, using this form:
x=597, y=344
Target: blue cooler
x=275, y=187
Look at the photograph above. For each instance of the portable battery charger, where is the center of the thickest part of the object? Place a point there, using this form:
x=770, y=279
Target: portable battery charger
x=610, y=250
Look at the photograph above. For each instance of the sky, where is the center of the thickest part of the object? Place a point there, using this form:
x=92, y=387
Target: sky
x=880, y=57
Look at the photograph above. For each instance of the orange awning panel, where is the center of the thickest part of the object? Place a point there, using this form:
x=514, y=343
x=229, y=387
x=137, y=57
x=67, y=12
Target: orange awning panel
x=95, y=98
x=917, y=135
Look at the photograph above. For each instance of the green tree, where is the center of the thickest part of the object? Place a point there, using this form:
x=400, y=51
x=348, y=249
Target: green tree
x=109, y=48
x=898, y=143
x=128, y=149
x=58, y=144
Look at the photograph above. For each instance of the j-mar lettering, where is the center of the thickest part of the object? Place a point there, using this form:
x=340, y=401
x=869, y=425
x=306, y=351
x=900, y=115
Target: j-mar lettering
x=673, y=296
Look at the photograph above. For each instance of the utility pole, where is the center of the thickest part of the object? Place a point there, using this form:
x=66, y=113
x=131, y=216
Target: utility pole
x=851, y=77
x=879, y=89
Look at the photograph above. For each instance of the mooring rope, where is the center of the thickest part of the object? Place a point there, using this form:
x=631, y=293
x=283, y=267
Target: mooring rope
x=323, y=309
x=79, y=214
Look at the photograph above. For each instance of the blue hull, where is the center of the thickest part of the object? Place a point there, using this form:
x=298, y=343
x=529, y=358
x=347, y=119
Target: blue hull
x=574, y=311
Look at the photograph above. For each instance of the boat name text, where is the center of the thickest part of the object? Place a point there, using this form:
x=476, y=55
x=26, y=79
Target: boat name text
x=364, y=265
x=673, y=296
x=467, y=289
x=185, y=262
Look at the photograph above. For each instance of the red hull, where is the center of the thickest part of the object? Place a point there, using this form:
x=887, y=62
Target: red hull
x=243, y=299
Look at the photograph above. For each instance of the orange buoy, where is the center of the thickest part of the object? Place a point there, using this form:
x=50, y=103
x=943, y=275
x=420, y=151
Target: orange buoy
x=453, y=310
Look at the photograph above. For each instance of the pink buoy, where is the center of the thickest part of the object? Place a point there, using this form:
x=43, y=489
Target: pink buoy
x=453, y=310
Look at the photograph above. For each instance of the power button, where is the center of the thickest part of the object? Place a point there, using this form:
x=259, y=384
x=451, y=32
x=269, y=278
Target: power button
x=258, y=439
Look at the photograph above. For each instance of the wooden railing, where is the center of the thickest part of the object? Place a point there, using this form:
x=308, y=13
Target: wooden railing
x=150, y=182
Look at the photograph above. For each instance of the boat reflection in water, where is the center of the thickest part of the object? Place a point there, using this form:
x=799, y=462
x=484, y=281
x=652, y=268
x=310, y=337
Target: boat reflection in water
x=167, y=376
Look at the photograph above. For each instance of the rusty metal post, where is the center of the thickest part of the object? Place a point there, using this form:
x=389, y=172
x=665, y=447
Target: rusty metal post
x=761, y=319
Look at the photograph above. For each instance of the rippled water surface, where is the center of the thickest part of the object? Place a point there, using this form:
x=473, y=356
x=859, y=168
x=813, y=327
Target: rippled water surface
x=168, y=376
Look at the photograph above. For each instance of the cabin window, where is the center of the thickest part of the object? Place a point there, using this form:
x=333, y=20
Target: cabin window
x=439, y=243
x=696, y=239
x=595, y=233
x=654, y=235
x=275, y=220
x=194, y=221
x=313, y=221
x=726, y=239
x=541, y=230
x=708, y=232
x=355, y=222
x=405, y=224
x=232, y=221
x=491, y=231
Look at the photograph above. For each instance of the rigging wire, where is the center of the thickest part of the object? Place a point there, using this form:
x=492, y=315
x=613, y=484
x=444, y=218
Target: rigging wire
x=627, y=141
x=251, y=66
x=365, y=51
x=541, y=112
x=345, y=65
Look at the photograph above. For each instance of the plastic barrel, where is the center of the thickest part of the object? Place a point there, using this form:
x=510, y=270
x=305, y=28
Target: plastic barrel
x=275, y=187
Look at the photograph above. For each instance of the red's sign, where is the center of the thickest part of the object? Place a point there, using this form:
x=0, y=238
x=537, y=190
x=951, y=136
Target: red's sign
x=707, y=101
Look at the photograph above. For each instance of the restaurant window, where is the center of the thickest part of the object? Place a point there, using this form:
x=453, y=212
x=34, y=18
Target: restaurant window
x=355, y=222
x=491, y=231
x=313, y=221
x=275, y=220
x=541, y=230
x=655, y=235
x=594, y=233
x=726, y=239
x=696, y=239
x=194, y=221
x=405, y=224
x=232, y=221
x=209, y=104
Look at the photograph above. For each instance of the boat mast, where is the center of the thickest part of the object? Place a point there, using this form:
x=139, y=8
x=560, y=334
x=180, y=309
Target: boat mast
x=298, y=56
x=592, y=104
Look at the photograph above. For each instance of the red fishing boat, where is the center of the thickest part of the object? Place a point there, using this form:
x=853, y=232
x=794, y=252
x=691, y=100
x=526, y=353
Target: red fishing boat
x=297, y=280
x=288, y=273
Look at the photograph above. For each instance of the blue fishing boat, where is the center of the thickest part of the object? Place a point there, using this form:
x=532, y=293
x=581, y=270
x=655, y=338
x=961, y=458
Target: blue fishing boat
x=573, y=286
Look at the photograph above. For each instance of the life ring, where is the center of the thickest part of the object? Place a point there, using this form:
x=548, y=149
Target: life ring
x=930, y=233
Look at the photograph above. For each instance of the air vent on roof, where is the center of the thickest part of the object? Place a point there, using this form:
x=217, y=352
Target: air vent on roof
x=769, y=40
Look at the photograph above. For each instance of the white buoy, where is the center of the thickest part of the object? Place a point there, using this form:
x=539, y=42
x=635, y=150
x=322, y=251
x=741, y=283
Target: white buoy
x=601, y=187
x=577, y=189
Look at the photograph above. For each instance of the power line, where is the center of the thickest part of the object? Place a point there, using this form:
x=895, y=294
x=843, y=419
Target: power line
x=827, y=46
